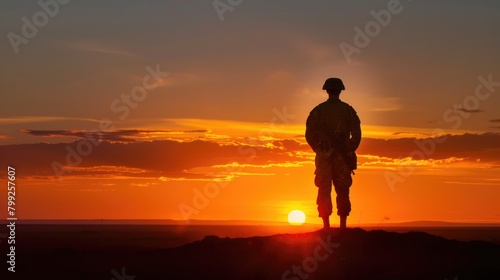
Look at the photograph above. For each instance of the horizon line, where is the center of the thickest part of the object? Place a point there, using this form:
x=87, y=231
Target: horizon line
x=235, y=222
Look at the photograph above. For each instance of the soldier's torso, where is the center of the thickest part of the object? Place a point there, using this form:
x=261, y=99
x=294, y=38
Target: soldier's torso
x=332, y=116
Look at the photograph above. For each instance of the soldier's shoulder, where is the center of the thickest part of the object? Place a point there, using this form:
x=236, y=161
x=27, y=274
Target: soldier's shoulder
x=318, y=107
x=352, y=113
x=347, y=105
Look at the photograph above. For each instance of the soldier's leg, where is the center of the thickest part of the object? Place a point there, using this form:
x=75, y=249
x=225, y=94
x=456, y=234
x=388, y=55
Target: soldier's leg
x=324, y=199
x=323, y=181
x=342, y=181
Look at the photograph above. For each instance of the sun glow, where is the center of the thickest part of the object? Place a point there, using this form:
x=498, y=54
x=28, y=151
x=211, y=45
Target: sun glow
x=296, y=217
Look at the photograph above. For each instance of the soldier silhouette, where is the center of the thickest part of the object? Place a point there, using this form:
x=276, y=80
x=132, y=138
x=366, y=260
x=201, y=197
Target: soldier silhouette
x=333, y=131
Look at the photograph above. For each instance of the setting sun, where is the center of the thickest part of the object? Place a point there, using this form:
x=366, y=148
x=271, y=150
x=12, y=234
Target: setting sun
x=296, y=217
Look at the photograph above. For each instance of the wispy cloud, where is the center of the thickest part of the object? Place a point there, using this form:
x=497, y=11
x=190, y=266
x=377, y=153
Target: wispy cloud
x=471, y=183
x=387, y=105
x=495, y=120
x=245, y=165
x=470, y=111
x=377, y=161
x=118, y=135
x=36, y=119
x=105, y=169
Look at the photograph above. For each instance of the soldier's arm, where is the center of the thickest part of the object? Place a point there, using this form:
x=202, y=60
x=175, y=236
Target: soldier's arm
x=312, y=130
x=355, y=129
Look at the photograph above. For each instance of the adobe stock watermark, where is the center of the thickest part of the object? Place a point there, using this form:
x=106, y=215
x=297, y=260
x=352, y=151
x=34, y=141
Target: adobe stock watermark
x=122, y=106
x=121, y=276
x=363, y=37
x=454, y=116
x=223, y=6
x=310, y=264
x=39, y=19
x=201, y=198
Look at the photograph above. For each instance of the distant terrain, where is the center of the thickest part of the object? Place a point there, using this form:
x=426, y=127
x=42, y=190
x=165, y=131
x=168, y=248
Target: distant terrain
x=251, y=252
x=254, y=222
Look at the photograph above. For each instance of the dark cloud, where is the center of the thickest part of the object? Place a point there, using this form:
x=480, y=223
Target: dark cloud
x=468, y=146
x=155, y=158
x=495, y=120
x=290, y=145
x=400, y=132
x=173, y=159
x=119, y=135
x=470, y=111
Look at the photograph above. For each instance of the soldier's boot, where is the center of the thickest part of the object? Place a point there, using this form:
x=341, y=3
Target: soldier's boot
x=343, y=222
x=326, y=222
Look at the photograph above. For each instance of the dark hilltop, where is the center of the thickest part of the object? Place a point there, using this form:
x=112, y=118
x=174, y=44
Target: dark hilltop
x=350, y=254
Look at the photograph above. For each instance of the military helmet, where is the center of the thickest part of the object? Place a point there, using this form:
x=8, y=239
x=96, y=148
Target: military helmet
x=334, y=84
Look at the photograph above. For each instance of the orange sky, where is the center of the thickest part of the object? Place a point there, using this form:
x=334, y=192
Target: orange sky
x=250, y=178
x=165, y=111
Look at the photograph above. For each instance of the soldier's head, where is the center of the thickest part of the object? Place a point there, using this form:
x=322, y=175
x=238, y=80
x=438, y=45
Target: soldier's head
x=333, y=86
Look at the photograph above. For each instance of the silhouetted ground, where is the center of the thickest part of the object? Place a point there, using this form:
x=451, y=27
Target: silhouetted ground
x=352, y=254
